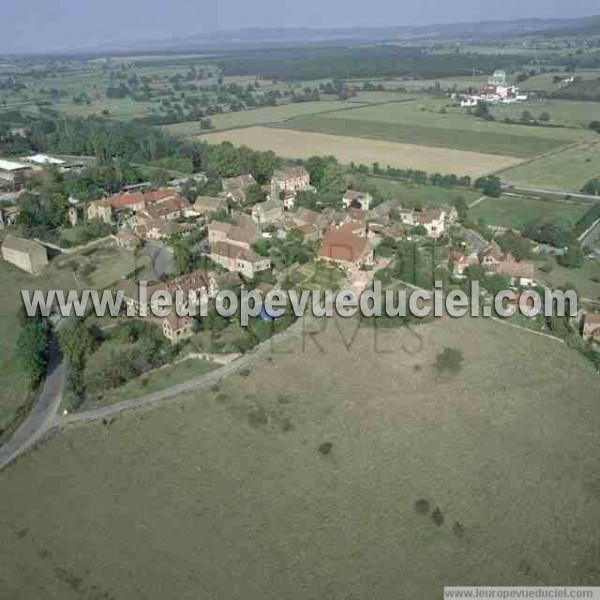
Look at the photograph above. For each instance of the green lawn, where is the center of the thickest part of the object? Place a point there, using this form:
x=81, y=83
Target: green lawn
x=566, y=170
x=508, y=211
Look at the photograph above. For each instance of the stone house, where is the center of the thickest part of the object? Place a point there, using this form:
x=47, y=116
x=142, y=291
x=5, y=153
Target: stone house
x=176, y=328
x=238, y=259
x=292, y=179
x=269, y=212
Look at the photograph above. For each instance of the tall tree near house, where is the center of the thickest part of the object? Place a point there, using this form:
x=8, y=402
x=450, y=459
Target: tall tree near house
x=182, y=255
x=77, y=343
x=31, y=349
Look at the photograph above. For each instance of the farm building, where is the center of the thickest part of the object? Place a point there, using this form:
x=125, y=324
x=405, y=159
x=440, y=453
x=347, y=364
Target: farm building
x=25, y=254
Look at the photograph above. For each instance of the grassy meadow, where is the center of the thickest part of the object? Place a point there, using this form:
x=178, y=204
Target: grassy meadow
x=513, y=212
x=227, y=493
x=569, y=169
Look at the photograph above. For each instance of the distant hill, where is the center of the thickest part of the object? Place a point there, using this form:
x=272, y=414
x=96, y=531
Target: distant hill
x=587, y=26
x=584, y=89
x=418, y=34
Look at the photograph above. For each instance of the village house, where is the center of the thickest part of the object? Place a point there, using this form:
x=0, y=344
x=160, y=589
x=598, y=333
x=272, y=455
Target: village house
x=124, y=207
x=27, y=255
x=354, y=199
x=292, y=179
x=459, y=262
x=159, y=229
x=590, y=327
x=493, y=256
x=235, y=188
x=192, y=284
x=287, y=183
x=176, y=328
x=206, y=206
x=520, y=274
x=346, y=247
x=127, y=239
x=309, y=233
x=310, y=223
x=432, y=219
x=231, y=246
x=11, y=171
x=238, y=259
x=242, y=232
x=269, y=212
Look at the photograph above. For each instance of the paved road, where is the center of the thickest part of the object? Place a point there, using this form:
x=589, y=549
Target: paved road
x=43, y=416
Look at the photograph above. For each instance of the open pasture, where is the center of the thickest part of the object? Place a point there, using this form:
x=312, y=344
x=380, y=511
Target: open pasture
x=512, y=212
x=226, y=492
x=567, y=170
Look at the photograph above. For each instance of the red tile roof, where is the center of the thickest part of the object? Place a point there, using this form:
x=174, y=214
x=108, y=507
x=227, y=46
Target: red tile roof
x=343, y=245
x=129, y=199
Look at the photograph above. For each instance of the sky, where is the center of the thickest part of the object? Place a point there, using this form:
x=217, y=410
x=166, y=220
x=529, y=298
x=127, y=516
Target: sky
x=58, y=25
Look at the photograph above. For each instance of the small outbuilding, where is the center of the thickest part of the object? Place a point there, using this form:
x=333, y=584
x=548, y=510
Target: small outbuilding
x=26, y=254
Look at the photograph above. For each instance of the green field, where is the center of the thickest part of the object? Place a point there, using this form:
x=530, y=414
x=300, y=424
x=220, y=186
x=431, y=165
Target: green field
x=410, y=193
x=586, y=279
x=508, y=211
x=258, y=116
x=424, y=123
x=224, y=493
x=569, y=113
x=569, y=169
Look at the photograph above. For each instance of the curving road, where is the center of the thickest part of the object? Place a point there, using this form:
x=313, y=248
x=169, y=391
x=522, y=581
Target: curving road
x=45, y=418
x=44, y=414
